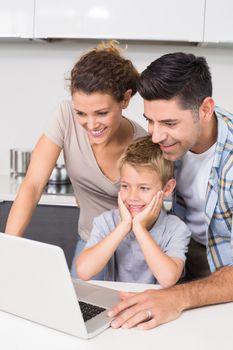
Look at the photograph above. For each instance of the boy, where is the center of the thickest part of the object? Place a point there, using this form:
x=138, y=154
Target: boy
x=138, y=242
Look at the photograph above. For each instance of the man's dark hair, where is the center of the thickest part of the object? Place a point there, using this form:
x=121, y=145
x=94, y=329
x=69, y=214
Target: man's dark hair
x=177, y=75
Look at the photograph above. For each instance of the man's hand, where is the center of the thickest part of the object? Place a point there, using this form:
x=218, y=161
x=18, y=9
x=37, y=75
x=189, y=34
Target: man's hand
x=149, y=215
x=165, y=305
x=146, y=310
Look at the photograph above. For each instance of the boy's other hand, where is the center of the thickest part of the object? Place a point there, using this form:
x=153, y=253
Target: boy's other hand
x=149, y=215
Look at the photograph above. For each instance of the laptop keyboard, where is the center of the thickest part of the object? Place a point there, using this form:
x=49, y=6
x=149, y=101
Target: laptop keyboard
x=89, y=310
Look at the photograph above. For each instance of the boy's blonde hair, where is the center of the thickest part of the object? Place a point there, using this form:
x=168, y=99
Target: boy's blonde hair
x=145, y=153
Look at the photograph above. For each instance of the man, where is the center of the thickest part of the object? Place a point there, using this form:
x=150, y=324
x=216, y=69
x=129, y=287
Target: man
x=190, y=130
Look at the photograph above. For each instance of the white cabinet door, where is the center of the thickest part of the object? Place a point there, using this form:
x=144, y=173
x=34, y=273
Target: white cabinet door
x=178, y=20
x=218, y=21
x=16, y=18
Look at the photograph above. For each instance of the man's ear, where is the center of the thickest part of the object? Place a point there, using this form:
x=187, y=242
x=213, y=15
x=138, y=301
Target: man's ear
x=169, y=187
x=207, y=109
x=126, y=99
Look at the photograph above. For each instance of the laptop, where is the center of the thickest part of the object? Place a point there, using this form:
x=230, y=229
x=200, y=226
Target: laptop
x=35, y=284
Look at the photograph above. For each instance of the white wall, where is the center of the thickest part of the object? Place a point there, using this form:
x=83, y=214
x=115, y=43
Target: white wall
x=32, y=83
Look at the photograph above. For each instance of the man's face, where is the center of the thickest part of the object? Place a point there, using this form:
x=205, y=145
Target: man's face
x=174, y=129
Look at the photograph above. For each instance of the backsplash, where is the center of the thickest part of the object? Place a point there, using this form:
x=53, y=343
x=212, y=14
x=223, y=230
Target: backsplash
x=32, y=83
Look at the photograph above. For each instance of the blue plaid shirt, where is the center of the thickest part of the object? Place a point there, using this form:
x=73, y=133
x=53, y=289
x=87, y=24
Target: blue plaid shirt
x=219, y=197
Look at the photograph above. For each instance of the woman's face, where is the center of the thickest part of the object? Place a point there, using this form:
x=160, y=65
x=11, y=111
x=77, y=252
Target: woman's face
x=99, y=114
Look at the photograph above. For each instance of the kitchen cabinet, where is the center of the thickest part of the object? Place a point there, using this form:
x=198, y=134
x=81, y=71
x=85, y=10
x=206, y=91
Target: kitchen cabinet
x=50, y=224
x=161, y=20
x=218, y=21
x=16, y=18
x=165, y=20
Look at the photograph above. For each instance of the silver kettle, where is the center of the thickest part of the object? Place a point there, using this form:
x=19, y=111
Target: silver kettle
x=59, y=175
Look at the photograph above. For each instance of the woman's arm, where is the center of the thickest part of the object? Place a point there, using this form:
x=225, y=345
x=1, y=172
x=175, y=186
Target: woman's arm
x=43, y=160
x=92, y=260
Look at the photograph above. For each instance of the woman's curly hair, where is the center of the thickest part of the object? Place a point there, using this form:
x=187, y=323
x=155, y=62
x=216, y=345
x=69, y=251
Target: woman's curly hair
x=104, y=70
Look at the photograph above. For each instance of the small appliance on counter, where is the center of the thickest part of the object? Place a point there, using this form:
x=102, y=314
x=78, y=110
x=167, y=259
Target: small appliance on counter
x=59, y=189
x=59, y=175
x=59, y=182
x=19, y=161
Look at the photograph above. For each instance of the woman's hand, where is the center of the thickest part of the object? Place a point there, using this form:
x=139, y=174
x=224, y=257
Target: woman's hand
x=149, y=215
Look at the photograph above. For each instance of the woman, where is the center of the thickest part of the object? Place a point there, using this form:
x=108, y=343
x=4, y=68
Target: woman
x=92, y=133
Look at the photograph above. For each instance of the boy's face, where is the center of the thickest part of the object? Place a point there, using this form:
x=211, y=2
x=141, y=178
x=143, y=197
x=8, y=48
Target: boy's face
x=138, y=187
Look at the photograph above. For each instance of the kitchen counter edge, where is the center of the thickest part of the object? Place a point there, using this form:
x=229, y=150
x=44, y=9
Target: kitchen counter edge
x=9, y=188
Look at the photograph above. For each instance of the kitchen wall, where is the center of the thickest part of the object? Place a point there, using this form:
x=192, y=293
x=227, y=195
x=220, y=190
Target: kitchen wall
x=32, y=83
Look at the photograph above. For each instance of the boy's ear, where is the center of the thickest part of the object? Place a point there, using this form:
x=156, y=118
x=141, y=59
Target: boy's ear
x=169, y=187
x=126, y=99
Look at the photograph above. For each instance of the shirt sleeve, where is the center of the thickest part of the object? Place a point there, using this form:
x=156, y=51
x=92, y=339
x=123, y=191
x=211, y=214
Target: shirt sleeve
x=56, y=127
x=102, y=226
x=178, y=238
x=96, y=233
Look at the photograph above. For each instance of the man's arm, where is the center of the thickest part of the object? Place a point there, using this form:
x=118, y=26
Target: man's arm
x=167, y=304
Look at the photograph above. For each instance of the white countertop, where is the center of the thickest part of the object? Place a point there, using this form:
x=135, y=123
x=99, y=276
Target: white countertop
x=9, y=187
x=204, y=328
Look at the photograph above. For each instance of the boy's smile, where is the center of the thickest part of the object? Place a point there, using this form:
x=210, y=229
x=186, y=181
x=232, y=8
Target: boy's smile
x=138, y=187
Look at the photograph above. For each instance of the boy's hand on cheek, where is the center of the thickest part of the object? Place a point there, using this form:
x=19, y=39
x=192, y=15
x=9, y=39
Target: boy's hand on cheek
x=150, y=214
x=124, y=213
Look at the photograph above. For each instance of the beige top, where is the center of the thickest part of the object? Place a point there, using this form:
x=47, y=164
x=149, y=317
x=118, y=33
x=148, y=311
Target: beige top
x=94, y=192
